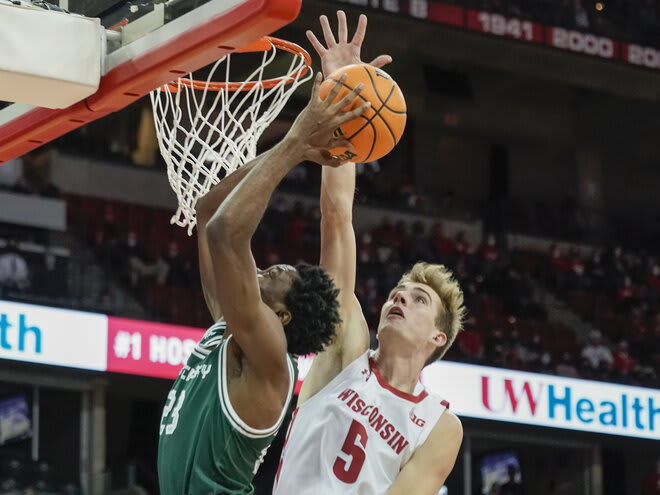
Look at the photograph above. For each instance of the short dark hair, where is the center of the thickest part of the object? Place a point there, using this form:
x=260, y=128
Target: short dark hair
x=312, y=301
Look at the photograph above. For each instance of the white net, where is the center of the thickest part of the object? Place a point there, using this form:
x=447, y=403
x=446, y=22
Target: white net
x=207, y=130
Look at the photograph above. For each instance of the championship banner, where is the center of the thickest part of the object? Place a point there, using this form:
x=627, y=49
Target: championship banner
x=509, y=27
x=585, y=43
x=644, y=56
x=441, y=13
x=546, y=400
x=495, y=24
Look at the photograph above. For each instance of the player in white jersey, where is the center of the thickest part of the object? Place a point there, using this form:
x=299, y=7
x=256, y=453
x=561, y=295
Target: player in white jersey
x=364, y=424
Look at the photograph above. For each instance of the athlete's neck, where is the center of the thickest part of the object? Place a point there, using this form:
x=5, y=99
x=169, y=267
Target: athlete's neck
x=400, y=372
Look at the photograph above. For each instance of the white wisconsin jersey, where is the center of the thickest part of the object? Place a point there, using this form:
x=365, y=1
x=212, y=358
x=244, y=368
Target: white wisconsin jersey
x=355, y=435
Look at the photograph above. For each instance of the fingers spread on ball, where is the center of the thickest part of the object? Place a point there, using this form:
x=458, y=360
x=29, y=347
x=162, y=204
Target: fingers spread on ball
x=356, y=112
x=335, y=89
x=350, y=96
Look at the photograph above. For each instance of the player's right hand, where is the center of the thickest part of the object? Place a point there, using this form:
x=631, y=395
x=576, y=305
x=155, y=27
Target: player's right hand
x=314, y=129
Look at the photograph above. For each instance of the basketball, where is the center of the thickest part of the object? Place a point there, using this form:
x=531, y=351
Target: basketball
x=374, y=133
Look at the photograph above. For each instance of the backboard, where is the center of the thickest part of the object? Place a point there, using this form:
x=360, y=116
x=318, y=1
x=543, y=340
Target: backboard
x=149, y=44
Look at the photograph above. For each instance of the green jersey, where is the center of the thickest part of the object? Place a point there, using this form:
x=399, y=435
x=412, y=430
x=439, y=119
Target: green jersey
x=204, y=447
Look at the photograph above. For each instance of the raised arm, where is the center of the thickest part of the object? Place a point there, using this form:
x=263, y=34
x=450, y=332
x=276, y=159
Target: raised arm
x=257, y=329
x=204, y=209
x=338, y=249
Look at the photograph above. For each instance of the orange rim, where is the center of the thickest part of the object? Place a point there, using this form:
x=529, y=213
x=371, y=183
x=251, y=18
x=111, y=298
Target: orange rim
x=261, y=45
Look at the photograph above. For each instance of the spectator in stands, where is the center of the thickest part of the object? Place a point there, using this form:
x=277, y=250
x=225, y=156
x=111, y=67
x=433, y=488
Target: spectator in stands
x=470, y=343
x=576, y=274
x=419, y=249
x=443, y=248
x=489, y=252
x=512, y=486
x=139, y=265
x=512, y=359
x=384, y=234
x=627, y=295
x=581, y=15
x=652, y=480
x=622, y=363
x=109, y=225
x=653, y=282
x=14, y=272
x=310, y=240
x=366, y=255
x=563, y=14
x=595, y=354
x=596, y=273
x=518, y=295
x=652, y=348
x=272, y=228
x=497, y=348
x=462, y=246
x=617, y=264
x=178, y=269
x=295, y=226
x=560, y=268
x=533, y=355
x=566, y=367
x=402, y=240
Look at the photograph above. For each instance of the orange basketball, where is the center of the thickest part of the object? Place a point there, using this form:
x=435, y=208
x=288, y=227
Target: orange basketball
x=379, y=128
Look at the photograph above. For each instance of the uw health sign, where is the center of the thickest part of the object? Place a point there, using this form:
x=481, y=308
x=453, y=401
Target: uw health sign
x=97, y=342
x=544, y=400
x=57, y=337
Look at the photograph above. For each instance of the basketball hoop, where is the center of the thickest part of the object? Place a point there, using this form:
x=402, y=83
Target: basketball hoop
x=208, y=129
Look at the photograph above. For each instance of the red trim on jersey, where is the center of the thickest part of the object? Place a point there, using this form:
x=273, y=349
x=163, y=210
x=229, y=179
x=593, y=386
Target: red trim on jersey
x=445, y=403
x=286, y=439
x=387, y=386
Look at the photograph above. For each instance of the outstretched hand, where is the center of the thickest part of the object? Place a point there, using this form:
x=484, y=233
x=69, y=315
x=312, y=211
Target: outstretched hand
x=315, y=126
x=339, y=52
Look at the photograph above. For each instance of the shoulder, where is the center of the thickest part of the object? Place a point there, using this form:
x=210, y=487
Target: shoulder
x=446, y=435
x=449, y=424
x=436, y=457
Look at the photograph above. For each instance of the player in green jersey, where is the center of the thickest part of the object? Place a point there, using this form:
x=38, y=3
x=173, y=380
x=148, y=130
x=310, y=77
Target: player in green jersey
x=229, y=400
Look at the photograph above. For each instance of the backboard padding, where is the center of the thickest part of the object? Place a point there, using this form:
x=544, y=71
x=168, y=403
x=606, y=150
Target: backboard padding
x=179, y=47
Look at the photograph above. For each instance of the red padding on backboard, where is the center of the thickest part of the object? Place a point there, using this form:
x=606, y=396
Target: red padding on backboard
x=124, y=84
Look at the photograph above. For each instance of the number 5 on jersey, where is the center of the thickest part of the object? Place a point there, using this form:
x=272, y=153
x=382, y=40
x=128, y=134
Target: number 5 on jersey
x=354, y=445
x=174, y=419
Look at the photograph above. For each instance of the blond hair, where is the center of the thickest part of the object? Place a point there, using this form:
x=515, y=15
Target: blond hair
x=450, y=317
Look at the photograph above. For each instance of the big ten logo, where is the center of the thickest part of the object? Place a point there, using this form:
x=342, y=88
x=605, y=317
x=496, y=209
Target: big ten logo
x=582, y=42
x=19, y=336
x=643, y=55
x=418, y=421
x=170, y=350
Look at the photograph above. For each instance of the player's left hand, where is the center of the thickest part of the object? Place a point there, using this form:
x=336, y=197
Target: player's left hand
x=339, y=52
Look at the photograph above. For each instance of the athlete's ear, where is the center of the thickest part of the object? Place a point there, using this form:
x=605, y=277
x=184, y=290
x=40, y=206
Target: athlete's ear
x=439, y=339
x=282, y=312
x=284, y=315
